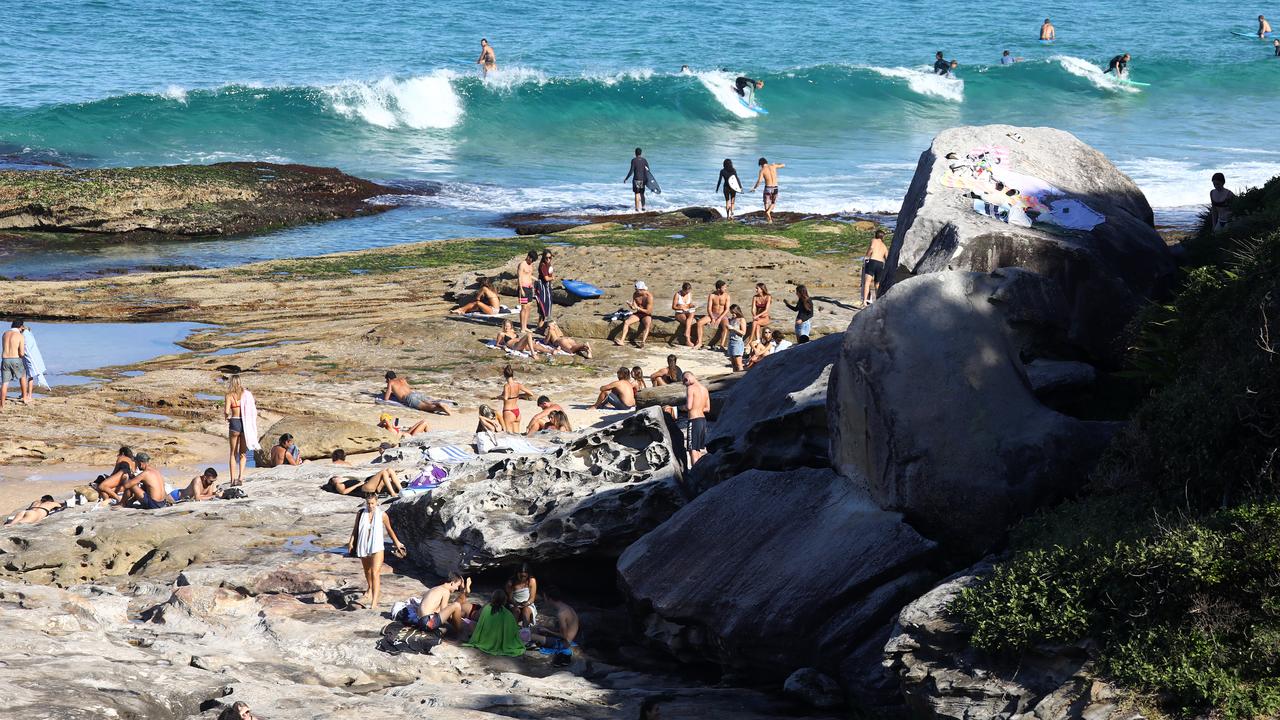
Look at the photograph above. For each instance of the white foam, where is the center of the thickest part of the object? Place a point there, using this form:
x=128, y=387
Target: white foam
x=176, y=92
x=1177, y=183
x=1092, y=73
x=508, y=77
x=720, y=85
x=422, y=102
x=925, y=82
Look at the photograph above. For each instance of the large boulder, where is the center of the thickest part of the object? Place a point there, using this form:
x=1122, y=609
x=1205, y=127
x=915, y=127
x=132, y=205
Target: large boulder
x=931, y=403
x=318, y=437
x=774, y=418
x=770, y=572
x=590, y=498
x=1075, y=218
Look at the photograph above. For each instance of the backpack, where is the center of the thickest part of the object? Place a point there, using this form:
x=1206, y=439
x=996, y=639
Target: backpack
x=399, y=637
x=234, y=493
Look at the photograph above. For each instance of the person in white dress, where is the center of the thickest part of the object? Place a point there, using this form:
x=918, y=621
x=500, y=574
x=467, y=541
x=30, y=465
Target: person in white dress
x=367, y=539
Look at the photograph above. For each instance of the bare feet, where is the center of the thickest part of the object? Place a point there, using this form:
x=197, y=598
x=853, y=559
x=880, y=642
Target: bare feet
x=618, y=343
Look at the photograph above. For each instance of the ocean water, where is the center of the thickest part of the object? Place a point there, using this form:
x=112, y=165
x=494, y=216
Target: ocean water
x=389, y=91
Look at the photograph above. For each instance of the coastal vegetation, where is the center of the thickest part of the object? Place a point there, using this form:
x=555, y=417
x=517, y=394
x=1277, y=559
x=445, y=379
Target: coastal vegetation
x=1168, y=567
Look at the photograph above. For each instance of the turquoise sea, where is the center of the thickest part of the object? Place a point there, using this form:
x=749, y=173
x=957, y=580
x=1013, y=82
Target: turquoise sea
x=388, y=90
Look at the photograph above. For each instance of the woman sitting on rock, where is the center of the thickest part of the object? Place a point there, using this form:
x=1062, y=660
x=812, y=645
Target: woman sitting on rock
x=368, y=537
x=522, y=588
x=486, y=301
x=496, y=631
x=488, y=422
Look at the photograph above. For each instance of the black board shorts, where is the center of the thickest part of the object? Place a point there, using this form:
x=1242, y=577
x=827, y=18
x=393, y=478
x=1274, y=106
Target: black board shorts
x=698, y=434
x=875, y=268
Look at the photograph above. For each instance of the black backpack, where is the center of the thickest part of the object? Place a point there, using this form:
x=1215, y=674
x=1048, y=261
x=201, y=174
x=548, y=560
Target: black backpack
x=399, y=637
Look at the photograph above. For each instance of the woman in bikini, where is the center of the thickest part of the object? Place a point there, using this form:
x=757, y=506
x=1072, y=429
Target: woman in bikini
x=35, y=512
x=384, y=480
x=682, y=304
x=638, y=379
x=557, y=338
x=486, y=302
x=232, y=411
x=512, y=392
x=760, y=306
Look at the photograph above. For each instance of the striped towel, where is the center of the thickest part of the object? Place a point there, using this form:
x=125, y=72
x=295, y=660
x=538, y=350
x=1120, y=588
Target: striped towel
x=450, y=454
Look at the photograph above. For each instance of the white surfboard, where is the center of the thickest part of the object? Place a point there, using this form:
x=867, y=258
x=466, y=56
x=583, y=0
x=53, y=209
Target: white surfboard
x=734, y=185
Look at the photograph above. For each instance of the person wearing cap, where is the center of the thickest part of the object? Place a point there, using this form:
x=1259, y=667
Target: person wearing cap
x=641, y=306
x=147, y=487
x=285, y=453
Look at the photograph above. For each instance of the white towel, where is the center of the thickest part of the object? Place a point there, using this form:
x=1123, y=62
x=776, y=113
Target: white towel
x=33, y=361
x=450, y=454
x=249, y=415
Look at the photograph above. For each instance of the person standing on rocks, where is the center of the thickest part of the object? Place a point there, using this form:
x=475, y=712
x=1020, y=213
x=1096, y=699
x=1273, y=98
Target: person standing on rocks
x=732, y=184
x=542, y=286
x=1220, y=203
x=525, y=270
x=718, y=303
x=368, y=538
x=697, y=403
x=769, y=176
x=641, y=307
x=11, y=366
x=638, y=175
x=241, y=413
x=873, y=268
x=737, y=335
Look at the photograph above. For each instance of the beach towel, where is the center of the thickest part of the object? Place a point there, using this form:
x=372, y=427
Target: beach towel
x=497, y=633
x=33, y=361
x=249, y=414
x=379, y=401
x=493, y=344
x=518, y=444
x=450, y=454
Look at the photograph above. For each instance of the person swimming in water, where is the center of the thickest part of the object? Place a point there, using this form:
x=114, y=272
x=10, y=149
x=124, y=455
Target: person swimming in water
x=746, y=88
x=487, y=61
x=1119, y=65
x=1047, y=31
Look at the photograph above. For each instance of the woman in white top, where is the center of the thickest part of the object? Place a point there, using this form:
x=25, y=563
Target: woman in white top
x=682, y=304
x=366, y=542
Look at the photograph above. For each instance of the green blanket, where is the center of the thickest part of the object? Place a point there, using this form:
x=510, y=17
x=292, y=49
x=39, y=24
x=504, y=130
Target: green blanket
x=497, y=633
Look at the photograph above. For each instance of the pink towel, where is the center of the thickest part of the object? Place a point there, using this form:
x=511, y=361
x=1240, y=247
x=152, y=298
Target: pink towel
x=249, y=414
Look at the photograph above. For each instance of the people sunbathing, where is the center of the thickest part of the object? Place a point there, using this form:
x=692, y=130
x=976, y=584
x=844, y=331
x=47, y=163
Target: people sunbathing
x=392, y=425
x=35, y=512
x=204, y=487
x=383, y=481
x=486, y=301
x=398, y=389
x=557, y=339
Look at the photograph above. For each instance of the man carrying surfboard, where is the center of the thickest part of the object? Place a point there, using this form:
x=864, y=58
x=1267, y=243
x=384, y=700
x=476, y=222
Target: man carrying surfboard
x=769, y=176
x=638, y=173
x=1047, y=32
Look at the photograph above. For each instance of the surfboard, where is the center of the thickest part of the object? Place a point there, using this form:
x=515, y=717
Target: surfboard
x=1134, y=83
x=651, y=183
x=1251, y=36
x=580, y=289
x=753, y=107
x=734, y=184
x=1046, y=42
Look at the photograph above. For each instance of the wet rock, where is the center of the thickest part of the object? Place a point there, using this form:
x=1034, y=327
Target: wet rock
x=592, y=497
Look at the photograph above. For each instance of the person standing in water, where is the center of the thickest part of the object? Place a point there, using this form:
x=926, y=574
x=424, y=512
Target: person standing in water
x=1119, y=65
x=769, y=176
x=487, y=61
x=730, y=193
x=1264, y=27
x=1047, y=31
x=1220, y=203
x=638, y=175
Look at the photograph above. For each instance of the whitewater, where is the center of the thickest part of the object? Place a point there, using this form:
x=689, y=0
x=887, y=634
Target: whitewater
x=851, y=97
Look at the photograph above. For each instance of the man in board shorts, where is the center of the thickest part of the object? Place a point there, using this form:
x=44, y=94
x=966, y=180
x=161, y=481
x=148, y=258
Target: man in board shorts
x=769, y=176
x=524, y=277
x=638, y=175
x=873, y=268
x=697, y=404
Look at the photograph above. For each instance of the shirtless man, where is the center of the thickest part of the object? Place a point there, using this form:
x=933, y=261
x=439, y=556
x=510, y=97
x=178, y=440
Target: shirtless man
x=873, y=268
x=638, y=174
x=204, y=487
x=284, y=452
x=769, y=176
x=488, y=60
x=1264, y=27
x=619, y=394
x=525, y=270
x=436, y=609
x=697, y=403
x=718, y=303
x=11, y=367
x=399, y=389
x=642, y=314
x=1047, y=31
x=539, y=421
x=148, y=485
x=565, y=626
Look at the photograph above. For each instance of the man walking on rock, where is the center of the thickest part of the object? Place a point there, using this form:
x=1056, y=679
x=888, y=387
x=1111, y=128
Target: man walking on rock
x=11, y=367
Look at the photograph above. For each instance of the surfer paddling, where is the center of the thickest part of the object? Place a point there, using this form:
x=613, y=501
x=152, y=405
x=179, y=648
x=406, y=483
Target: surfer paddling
x=769, y=176
x=1047, y=32
x=487, y=60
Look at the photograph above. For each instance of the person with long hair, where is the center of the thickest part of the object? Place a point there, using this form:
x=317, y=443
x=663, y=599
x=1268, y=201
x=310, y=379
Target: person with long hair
x=241, y=413
x=737, y=335
x=542, y=286
x=486, y=301
x=367, y=540
x=761, y=303
x=683, y=305
x=512, y=392
x=522, y=592
x=804, y=313
x=730, y=193
x=557, y=339
x=237, y=711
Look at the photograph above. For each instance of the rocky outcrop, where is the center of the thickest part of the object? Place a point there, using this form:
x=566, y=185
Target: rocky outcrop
x=318, y=437
x=590, y=498
x=792, y=570
x=1062, y=188
x=220, y=199
x=930, y=402
x=944, y=679
x=774, y=418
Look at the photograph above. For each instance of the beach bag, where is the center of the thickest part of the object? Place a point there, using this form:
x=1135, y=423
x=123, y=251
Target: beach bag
x=234, y=493
x=398, y=637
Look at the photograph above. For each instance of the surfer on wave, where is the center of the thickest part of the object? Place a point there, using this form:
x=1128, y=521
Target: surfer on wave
x=1119, y=65
x=746, y=88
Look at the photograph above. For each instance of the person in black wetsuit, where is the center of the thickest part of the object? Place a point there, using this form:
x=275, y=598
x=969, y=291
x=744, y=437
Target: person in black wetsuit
x=1118, y=65
x=942, y=66
x=638, y=174
x=730, y=195
x=746, y=87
